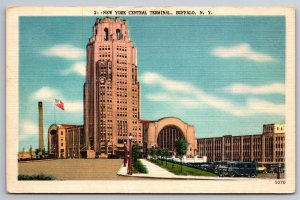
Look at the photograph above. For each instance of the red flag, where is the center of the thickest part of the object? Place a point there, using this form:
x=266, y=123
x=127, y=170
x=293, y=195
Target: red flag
x=59, y=104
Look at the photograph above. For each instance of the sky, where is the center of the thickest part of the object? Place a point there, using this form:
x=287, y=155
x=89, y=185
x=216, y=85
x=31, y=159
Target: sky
x=223, y=74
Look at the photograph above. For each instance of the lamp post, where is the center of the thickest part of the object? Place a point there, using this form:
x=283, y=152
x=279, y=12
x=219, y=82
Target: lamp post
x=130, y=156
x=125, y=154
x=278, y=170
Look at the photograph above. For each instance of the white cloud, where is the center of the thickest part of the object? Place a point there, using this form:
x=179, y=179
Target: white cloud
x=173, y=98
x=190, y=102
x=29, y=128
x=243, y=50
x=69, y=52
x=154, y=78
x=65, y=51
x=50, y=94
x=73, y=106
x=239, y=88
x=158, y=97
x=46, y=93
x=180, y=89
x=261, y=106
x=77, y=68
x=189, y=96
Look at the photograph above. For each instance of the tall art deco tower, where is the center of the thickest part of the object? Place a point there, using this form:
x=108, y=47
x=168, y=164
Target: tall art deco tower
x=111, y=90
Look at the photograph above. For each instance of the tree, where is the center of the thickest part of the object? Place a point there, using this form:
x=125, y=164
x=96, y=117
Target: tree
x=166, y=153
x=181, y=148
x=136, y=152
x=30, y=151
x=159, y=152
x=37, y=151
x=152, y=152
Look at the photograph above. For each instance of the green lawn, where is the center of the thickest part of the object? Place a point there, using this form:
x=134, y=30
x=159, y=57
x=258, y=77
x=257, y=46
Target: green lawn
x=176, y=169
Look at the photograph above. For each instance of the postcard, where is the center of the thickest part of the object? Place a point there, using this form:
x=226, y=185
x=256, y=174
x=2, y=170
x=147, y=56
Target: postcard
x=150, y=100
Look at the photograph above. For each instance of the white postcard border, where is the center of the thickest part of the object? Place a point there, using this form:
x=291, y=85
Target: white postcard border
x=145, y=186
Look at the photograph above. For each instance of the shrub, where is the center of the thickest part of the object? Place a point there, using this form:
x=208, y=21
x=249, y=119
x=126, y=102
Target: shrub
x=136, y=152
x=26, y=177
x=139, y=167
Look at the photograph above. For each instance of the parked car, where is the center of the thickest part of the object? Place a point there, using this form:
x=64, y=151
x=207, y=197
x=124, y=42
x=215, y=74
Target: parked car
x=223, y=171
x=210, y=167
x=218, y=165
x=243, y=169
x=274, y=168
x=222, y=167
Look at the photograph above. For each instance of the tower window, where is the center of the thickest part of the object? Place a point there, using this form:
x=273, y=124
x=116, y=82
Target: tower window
x=119, y=34
x=106, y=34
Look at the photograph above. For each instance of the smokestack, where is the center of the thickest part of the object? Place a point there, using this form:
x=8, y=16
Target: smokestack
x=41, y=127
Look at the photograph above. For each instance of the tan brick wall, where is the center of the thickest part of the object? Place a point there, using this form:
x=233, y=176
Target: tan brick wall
x=153, y=129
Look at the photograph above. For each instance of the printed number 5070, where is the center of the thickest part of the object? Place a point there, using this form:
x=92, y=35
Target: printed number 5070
x=280, y=182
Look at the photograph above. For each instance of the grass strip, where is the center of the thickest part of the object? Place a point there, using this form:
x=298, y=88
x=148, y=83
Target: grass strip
x=176, y=169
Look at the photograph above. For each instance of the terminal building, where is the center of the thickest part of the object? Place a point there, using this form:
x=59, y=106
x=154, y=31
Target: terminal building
x=111, y=97
x=111, y=89
x=265, y=148
x=112, y=112
x=166, y=131
x=66, y=141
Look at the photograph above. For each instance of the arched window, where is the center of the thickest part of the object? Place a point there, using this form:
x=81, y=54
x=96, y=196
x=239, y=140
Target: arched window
x=106, y=34
x=119, y=34
x=168, y=136
x=54, y=141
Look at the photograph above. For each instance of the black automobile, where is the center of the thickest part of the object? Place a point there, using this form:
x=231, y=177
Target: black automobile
x=272, y=169
x=243, y=169
x=218, y=165
x=222, y=170
x=275, y=168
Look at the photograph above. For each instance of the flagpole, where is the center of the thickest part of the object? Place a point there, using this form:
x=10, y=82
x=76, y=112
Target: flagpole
x=54, y=112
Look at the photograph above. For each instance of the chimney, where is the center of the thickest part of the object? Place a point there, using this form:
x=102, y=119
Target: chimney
x=41, y=127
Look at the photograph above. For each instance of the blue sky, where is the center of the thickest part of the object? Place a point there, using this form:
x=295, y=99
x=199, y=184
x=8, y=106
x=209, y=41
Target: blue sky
x=224, y=75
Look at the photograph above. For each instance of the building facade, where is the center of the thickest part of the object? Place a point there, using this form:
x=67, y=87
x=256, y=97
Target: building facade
x=111, y=89
x=166, y=131
x=265, y=148
x=66, y=141
x=112, y=112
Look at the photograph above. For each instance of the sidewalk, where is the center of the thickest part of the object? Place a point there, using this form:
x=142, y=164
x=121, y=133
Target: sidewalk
x=155, y=171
